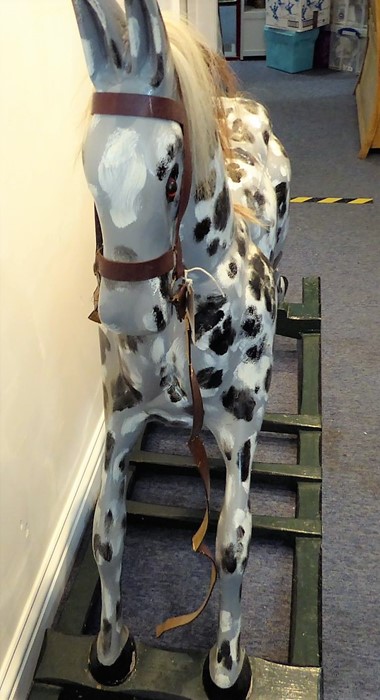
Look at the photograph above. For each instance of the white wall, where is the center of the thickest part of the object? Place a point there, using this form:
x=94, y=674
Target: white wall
x=177, y=7
x=51, y=413
x=203, y=14
x=51, y=437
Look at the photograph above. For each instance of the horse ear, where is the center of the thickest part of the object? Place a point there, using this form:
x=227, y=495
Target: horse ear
x=149, y=45
x=102, y=27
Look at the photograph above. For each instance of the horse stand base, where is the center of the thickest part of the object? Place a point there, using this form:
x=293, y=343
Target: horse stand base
x=63, y=672
x=240, y=690
x=119, y=671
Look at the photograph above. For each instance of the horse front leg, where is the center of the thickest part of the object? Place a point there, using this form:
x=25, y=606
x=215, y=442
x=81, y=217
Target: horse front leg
x=112, y=655
x=227, y=671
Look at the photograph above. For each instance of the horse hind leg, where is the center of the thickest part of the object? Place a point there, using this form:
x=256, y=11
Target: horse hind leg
x=113, y=654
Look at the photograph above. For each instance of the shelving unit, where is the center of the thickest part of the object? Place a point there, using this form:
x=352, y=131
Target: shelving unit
x=252, y=32
x=242, y=25
x=230, y=24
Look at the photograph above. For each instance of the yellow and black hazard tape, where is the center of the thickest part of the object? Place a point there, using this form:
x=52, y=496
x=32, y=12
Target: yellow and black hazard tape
x=331, y=200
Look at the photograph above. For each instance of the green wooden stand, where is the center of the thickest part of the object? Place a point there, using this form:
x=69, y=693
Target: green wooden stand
x=62, y=672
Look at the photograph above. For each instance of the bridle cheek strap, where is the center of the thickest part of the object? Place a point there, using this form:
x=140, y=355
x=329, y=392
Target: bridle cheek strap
x=108, y=103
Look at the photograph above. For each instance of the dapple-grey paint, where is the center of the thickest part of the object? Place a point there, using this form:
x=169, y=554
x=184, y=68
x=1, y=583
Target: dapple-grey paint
x=142, y=342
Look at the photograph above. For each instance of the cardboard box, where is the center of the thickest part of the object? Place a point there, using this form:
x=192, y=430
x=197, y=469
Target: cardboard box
x=299, y=15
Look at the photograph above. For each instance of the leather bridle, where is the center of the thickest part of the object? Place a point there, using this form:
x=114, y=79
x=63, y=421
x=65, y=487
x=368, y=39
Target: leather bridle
x=148, y=106
x=151, y=106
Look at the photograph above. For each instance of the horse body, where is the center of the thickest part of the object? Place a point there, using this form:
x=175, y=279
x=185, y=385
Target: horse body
x=258, y=173
x=133, y=166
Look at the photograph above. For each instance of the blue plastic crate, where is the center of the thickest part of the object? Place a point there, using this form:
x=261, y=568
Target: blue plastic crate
x=289, y=50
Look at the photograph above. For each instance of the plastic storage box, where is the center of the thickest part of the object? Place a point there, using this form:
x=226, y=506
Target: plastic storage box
x=352, y=13
x=347, y=48
x=290, y=51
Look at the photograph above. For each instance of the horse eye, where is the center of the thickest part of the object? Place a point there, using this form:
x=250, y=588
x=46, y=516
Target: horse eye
x=171, y=189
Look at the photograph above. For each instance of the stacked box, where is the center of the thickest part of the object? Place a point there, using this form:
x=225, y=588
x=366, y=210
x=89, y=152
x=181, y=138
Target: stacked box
x=350, y=13
x=299, y=15
x=348, y=34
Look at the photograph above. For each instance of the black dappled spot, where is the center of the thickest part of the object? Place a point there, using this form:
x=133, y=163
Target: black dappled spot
x=210, y=378
x=239, y=402
x=209, y=314
x=222, y=337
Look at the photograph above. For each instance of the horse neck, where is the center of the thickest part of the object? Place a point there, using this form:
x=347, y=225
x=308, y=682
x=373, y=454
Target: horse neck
x=208, y=224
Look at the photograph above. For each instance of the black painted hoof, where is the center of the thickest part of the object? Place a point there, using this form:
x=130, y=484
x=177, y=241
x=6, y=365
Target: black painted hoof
x=240, y=690
x=119, y=671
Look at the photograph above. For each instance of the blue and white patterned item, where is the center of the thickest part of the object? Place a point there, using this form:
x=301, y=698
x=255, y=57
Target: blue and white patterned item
x=299, y=15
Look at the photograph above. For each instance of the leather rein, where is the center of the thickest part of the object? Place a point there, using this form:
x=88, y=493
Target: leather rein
x=151, y=106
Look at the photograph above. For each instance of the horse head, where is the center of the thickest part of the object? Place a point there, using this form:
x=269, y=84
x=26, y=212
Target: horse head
x=133, y=165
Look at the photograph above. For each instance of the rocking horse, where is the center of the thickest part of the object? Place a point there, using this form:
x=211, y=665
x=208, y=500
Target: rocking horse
x=192, y=195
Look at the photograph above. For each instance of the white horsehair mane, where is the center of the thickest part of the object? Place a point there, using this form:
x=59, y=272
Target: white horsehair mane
x=205, y=79
x=201, y=90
